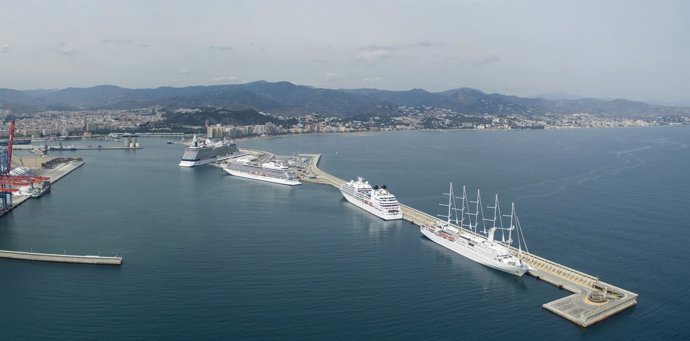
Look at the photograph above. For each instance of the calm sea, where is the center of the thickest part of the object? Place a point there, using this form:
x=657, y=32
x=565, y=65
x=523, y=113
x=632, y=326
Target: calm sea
x=210, y=256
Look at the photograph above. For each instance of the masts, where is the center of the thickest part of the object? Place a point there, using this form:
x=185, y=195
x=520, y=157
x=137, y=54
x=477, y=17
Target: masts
x=472, y=213
x=452, y=208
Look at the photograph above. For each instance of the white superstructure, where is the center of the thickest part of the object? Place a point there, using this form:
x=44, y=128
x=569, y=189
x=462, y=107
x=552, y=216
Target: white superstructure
x=377, y=201
x=256, y=172
x=206, y=151
x=481, y=247
x=274, y=166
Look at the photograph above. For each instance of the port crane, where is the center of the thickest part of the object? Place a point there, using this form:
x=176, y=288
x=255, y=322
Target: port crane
x=8, y=182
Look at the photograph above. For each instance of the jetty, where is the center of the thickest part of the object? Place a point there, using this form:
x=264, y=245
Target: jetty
x=75, y=148
x=60, y=258
x=592, y=300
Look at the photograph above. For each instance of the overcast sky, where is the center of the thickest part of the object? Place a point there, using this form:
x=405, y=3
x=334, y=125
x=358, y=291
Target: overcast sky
x=606, y=49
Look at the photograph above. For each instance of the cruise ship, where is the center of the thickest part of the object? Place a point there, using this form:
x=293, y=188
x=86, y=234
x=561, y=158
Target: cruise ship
x=377, y=201
x=205, y=151
x=479, y=246
x=269, y=172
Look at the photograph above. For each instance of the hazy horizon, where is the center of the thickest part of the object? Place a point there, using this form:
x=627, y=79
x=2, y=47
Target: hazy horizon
x=607, y=49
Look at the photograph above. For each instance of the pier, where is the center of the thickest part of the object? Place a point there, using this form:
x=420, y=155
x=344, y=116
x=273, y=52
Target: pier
x=592, y=300
x=60, y=258
x=75, y=148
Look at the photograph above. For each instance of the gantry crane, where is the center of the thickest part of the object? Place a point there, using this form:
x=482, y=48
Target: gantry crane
x=9, y=181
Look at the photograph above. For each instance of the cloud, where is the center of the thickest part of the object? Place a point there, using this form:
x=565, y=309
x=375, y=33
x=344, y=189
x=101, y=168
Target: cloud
x=373, y=54
x=4, y=48
x=220, y=47
x=372, y=80
x=486, y=60
x=228, y=80
x=65, y=50
x=329, y=77
x=122, y=42
x=184, y=71
x=426, y=43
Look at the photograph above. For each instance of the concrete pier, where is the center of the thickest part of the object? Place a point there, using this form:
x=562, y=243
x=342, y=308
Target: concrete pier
x=65, y=149
x=592, y=299
x=53, y=257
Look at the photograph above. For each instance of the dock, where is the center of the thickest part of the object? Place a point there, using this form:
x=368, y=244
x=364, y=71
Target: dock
x=55, y=174
x=592, y=300
x=75, y=148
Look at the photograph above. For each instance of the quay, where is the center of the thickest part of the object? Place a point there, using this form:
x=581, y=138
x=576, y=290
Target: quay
x=55, y=174
x=75, y=148
x=592, y=300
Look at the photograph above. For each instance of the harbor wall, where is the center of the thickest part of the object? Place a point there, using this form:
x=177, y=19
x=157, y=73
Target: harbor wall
x=53, y=257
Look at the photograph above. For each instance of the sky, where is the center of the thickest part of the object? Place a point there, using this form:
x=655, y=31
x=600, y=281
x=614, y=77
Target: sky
x=637, y=50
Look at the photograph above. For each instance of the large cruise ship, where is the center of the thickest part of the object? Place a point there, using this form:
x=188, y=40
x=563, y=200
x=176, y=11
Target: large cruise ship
x=479, y=246
x=205, y=151
x=377, y=201
x=268, y=171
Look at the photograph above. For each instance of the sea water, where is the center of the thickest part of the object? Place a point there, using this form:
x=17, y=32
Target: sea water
x=211, y=256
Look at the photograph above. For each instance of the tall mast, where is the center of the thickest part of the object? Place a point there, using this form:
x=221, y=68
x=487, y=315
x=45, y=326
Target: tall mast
x=462, y=209
x=497, y=218
x=520, y=234
x=512, y=225
x=450, y=203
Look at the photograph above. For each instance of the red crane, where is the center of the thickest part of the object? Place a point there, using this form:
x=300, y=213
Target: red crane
x=7, y=180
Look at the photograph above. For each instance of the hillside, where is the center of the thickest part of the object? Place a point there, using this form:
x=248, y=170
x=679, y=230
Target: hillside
x=290, y=99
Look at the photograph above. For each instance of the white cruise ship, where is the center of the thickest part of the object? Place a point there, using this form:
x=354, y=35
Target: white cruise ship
x=377, y=201
x=481, y=247
x=278, y=175
x=203, y=152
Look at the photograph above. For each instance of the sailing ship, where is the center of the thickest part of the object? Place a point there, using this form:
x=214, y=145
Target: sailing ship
x=460, y=233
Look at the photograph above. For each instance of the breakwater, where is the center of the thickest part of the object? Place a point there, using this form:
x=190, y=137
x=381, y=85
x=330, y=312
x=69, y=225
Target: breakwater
x=592, y=301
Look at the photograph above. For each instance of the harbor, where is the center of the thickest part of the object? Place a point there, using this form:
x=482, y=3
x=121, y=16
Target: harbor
x=54, y=169
x=287, y=250
x=592, y=300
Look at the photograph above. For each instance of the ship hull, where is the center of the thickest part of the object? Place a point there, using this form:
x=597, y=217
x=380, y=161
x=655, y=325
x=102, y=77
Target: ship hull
x=188, y=163
x=469, y=252
x=261, y=178
x=195, y=156
x=370, y=208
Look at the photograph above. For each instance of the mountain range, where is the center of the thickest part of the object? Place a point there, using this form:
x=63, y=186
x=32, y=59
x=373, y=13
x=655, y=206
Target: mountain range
x=291, y=99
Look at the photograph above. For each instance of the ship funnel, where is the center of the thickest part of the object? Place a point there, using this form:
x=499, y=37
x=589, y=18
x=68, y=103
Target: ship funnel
x=384, y=187
x=376, y=186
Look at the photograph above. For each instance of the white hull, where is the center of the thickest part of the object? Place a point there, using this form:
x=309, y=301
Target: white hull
x=472, y=253
x=262, y=178
x=372, y=209
x=203, y=162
